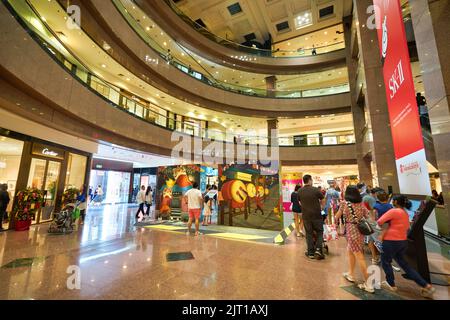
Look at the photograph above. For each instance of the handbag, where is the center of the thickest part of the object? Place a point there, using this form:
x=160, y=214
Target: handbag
x=363, y=225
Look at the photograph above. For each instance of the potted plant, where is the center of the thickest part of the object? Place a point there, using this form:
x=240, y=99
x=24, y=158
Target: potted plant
x=70, y=196
x=28, y=202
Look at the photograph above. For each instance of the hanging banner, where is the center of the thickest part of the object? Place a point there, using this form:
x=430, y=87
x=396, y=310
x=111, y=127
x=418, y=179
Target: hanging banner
x=407, y=138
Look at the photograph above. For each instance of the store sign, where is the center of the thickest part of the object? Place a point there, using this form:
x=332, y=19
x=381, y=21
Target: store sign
x=46, y=151
x=403, y=113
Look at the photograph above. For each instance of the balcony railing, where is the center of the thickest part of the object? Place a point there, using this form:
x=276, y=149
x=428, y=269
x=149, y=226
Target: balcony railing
x=200, y=73
x=253, y=50
x=38, y=29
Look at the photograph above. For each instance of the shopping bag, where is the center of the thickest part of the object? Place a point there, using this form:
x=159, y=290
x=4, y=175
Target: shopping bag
x=76, y=214
x=329, y=232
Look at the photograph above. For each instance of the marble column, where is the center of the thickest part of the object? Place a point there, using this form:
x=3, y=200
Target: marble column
x=431, y=29
x=359, y=123
x=369, y=104
x=272, y=124
x=271, y=86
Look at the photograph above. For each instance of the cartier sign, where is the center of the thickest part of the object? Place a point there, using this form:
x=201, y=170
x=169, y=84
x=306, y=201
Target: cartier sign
x=47, y=151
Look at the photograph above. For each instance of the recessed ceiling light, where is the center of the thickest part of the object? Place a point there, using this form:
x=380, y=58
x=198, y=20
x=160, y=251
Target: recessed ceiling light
x=103, y=65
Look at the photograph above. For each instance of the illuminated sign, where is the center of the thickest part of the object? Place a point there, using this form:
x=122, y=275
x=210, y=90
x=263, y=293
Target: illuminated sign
x=406, y=130
x=47, y=151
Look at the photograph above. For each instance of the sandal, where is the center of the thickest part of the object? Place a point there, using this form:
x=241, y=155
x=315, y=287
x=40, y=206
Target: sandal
x=366, y=288
x=348, y=277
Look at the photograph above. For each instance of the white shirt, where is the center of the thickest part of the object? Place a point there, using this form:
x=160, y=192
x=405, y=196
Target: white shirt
x=99, y=191
x=140, y=198
x=194, y=197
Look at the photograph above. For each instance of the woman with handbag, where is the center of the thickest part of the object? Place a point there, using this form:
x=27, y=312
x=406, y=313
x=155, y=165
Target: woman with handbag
x=395, y=243
x=355, y=213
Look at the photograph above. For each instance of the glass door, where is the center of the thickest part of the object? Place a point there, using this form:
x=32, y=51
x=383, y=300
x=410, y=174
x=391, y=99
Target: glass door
x=50, y=190
x=44, y=175
x=36, y=178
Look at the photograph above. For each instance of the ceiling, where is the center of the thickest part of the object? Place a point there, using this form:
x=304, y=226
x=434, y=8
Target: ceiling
x=139, y=159
x=230, y=76
x=316, y=124
x=261, y=17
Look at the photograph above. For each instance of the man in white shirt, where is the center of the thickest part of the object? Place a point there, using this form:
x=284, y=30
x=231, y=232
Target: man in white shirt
x=140, y=199
x=195, y=201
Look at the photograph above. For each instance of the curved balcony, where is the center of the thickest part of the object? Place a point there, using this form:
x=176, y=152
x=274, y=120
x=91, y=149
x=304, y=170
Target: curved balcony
x=40, y=85
x=206, y=44
x=208, y=72
x=105, y=24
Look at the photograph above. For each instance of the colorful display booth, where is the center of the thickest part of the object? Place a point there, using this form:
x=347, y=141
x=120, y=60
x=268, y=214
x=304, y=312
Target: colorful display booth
x=249, y=197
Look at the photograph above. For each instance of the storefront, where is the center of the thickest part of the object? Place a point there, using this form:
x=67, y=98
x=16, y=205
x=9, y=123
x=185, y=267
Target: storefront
x=143, y=177
x=114, y=178
x=28, y=162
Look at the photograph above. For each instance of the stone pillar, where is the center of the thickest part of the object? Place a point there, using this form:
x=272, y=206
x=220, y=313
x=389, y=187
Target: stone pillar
x=430, y=23
x=368, y=93
x=272, y=124
x=359, y=123
x=271, y=86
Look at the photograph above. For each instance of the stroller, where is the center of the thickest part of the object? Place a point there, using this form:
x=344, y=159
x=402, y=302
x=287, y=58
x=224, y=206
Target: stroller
x=63, y=221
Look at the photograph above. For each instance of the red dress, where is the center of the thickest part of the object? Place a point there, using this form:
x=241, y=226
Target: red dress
x=355, y=240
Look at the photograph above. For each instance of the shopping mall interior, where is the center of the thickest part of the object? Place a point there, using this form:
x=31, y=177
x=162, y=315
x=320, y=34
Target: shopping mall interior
x=108, y=107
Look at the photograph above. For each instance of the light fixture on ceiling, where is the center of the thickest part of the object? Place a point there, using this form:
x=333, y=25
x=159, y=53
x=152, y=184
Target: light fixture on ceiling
x=303, y=20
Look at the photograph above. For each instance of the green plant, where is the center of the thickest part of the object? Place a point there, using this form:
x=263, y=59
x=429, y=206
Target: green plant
x=70, y=195
x=28, y=202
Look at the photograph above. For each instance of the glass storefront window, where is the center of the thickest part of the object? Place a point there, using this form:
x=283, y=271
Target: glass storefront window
x=313, y=140
x=330, y=140
x=10, y=156
x=76, y=171
x=115, y=185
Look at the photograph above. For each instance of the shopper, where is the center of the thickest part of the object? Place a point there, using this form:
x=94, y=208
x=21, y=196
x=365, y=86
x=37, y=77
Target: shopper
x=297, y=211
x=4, y=201
x=82, y=204
x=314, y=52
x=140, y=199
x=148, y=200
x=195, y=201
x=441, y=199
x=98, y=195
x=207, y=210
x=311, y=200
x=369, y=200
x=382, y=205
x=395, y=244
x=353, y=210
x=331, y=196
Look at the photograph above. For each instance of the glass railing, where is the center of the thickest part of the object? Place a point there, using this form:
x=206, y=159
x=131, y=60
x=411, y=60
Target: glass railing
x=254, y=50
x=29, y=18
x=197, y=71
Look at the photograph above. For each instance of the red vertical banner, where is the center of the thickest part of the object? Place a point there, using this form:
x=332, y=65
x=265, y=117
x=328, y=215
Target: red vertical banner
x=407, y=137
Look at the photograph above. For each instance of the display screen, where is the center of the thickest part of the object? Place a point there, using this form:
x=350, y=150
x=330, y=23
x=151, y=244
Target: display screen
x=414, y=208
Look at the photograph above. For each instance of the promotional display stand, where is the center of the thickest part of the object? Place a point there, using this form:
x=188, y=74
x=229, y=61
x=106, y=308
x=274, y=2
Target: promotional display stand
x=416, y=254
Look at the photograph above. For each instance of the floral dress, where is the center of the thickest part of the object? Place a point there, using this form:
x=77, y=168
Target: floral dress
x=355, y=240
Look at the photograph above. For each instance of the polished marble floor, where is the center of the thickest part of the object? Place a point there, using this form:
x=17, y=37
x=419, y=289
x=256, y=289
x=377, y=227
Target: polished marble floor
x=117, y=260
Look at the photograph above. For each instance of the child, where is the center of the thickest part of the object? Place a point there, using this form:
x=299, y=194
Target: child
x=207, y=212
